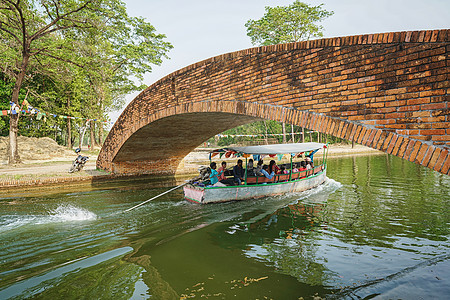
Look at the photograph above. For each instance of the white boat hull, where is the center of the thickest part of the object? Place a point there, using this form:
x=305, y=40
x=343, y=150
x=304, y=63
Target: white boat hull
x=204, y=195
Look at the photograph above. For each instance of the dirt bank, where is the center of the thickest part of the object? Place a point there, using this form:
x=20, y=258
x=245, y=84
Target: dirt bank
x=33, y=149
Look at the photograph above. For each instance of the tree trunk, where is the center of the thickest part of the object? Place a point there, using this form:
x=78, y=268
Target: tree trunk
x=292, y=133
x=13, y=153
x=83, y=131
x=96, y=135
x=303, y=134
x=69, y=134
x=69, y=127
x=266, y=137
x=92, y=129
x=100, y=134
x=284, y=133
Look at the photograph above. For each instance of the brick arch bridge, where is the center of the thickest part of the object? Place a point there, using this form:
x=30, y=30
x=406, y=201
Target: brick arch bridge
x=387, y=91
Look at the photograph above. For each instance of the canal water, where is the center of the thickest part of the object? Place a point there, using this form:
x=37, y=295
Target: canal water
x=377, y=228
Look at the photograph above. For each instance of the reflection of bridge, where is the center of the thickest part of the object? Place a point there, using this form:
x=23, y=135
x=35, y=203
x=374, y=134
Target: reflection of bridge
x=386, y=91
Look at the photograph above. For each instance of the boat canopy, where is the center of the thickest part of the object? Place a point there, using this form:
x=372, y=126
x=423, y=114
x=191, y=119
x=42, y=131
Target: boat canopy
x=273, y=149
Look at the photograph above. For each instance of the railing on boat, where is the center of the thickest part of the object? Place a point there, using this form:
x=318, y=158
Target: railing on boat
x=285, y=177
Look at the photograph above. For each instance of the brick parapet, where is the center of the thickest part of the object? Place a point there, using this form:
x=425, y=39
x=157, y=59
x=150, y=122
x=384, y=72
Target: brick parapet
x=393, y=82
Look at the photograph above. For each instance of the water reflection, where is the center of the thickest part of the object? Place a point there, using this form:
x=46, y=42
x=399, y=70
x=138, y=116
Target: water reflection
x=292, y=250
x=379, y=226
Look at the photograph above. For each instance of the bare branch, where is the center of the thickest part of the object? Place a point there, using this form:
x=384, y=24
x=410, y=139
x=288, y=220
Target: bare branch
x=9, y=32
x=44, y=30
x=60, y=58
x=47, y=10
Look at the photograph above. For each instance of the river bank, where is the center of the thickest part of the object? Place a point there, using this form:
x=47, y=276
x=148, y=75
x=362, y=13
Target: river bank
x=54, y=171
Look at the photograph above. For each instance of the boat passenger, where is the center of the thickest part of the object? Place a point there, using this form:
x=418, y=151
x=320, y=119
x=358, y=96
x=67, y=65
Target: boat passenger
x=259, y=167
x=283, y=170
x=273, y=167
x=265, y=173
x=303, y=168
x=222, y=177
x=214, y=176
x=250, y=168
x=296, y=167
x=308, y=163
x=238, y=172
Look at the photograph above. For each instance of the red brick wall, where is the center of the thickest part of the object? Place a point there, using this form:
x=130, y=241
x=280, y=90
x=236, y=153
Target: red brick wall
x=388, y=91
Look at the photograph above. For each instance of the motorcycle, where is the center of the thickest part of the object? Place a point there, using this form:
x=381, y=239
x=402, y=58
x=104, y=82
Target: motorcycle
x=78, y=163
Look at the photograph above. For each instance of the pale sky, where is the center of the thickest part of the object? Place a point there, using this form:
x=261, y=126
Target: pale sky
x=200, y=29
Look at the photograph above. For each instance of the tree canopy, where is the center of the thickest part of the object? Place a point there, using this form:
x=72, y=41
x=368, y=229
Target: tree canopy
x=72, y=57
x=286, y=24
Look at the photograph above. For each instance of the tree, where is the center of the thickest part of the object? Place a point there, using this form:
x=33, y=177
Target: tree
x=286, y=24
x=41, y=30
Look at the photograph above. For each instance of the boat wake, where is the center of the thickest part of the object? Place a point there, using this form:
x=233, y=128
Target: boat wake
x=63, y=213
x=315, y=195
x=69, y=213
x=328, y=187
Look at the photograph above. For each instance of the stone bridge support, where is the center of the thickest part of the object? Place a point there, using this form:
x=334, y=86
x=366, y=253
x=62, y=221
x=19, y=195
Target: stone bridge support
x=386, y=91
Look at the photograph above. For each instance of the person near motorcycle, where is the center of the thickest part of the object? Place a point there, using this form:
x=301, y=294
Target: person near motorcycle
x=79, y=162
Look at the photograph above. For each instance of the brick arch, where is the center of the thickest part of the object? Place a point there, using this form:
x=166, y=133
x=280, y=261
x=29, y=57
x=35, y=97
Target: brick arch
x=386, y=91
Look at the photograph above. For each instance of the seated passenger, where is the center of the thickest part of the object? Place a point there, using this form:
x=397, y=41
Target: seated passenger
x=283, y=170
x=265, y=173
x=309, y=163
x=273, y=167
x=302, y=166
x=259, y=167
x=238, y=172
x=295, y=167
x=222, y=177
x=214, y=176
x=250, y=168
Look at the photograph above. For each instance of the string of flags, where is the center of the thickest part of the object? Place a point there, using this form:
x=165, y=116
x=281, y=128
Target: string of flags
x=40, y=115
x=257, y=135
x=257, y=157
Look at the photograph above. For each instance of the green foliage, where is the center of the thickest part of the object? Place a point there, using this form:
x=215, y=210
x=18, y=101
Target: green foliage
x=263, y=128
x=75, y=57
x=285, y=24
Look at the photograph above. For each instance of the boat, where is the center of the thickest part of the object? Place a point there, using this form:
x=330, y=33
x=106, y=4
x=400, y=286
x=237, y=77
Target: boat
x=200, y=191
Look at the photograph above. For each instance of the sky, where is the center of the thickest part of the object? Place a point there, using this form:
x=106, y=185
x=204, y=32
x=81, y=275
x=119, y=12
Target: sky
x=200, y=29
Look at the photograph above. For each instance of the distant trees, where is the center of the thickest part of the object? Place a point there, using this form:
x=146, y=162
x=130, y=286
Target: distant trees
x=74, y=57
x=286, y=24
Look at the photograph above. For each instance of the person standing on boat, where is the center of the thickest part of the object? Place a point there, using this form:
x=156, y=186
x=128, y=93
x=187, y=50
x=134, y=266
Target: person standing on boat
x=238, y=172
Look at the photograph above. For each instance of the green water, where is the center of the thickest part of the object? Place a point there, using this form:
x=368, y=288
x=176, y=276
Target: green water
x=378, y=227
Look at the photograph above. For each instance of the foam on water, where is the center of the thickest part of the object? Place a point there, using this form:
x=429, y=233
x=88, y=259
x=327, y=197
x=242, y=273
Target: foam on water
x=317, y=194
x=69, y=213
x=63, y=213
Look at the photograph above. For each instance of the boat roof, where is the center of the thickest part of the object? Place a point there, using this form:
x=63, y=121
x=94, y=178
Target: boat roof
x=274, y=149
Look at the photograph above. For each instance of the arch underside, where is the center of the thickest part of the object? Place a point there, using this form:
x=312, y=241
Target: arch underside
x=158, y=147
